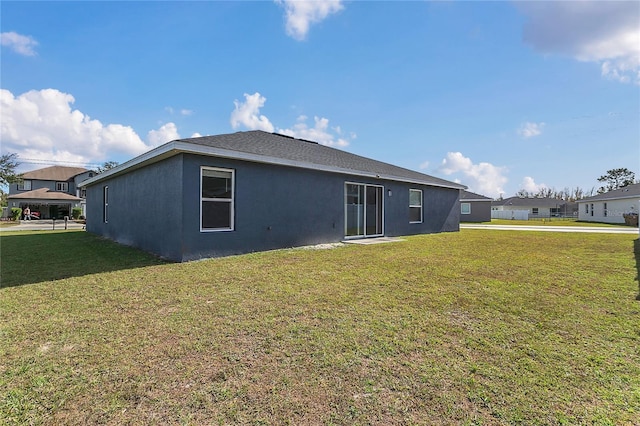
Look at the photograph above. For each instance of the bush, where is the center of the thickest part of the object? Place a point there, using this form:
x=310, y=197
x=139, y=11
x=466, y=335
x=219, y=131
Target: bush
x=16, y=213
x=630, y=219
x=76, y=212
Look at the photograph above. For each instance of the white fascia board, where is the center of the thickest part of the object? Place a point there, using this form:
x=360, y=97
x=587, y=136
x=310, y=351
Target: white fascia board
x=176, y=147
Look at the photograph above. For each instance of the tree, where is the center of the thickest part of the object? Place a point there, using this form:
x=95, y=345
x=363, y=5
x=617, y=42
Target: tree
x=8, y=166
x=616, y=178
x=107, y=166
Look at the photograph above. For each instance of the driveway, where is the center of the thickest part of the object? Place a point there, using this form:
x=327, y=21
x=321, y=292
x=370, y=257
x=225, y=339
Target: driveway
x=553, y=228
x=42, y=225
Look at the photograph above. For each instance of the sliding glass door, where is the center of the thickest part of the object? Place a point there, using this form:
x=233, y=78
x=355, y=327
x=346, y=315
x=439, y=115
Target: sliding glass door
x=364, y=211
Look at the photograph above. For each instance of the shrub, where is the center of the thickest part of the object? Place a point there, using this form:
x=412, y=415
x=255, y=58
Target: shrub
x=16, y=213
x=76, y=212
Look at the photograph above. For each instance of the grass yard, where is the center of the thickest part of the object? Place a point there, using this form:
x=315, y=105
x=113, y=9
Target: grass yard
x=475, y=327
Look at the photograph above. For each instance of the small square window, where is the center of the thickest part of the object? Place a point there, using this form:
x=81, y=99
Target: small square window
x=465, y=208
x=25, y=185
x=62, y=186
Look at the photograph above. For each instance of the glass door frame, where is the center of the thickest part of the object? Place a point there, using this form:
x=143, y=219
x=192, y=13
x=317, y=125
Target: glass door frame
x=379, y=206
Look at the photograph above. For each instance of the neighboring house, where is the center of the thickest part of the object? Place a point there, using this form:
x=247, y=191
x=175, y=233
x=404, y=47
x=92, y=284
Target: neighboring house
x=610, y=206
x=251, y=191
x=474, y=207
x=51, y=192
x=532, y=208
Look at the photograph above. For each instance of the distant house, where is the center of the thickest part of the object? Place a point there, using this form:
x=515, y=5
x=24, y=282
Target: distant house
x=610, y=206
x=532, y=208
x=251, y=191
x=51, y=192
x=474, y=207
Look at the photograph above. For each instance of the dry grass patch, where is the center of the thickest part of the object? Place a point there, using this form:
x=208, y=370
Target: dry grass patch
x=475, y=327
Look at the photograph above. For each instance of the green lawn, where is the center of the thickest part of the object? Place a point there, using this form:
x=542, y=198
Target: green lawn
x=475, y=327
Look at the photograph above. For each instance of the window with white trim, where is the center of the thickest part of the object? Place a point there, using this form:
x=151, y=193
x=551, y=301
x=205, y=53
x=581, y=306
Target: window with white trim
x=605, y=209
x=216, y=199
x=415, y=206
x=465, y=208
x=24, y=185
x=62, y=186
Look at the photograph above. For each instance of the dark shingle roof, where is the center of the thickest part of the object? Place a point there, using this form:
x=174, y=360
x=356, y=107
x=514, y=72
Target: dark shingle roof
x=272, y=148
x=472, y=196
x=629, y=191
x=528, y=202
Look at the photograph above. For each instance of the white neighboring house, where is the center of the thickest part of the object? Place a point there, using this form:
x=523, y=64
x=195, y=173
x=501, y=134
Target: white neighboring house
x=610, y=206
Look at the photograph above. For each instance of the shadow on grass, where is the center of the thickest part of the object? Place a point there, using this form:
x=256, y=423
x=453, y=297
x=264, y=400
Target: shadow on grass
x=33, y=257
x=636, y=251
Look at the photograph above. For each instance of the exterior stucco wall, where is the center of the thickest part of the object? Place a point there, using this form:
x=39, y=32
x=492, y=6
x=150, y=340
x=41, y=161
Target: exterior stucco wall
x=614, y=211
x=144, y=208
x=480, y=211
x=274, y=207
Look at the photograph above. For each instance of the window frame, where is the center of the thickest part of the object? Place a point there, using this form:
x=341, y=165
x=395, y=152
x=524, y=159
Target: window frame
x=535, y=211
x=462, y=210
x=231, y=200
x=62, y=186
x=414, y=206
x=105, y=204
x=605, y=209
x=22, y=185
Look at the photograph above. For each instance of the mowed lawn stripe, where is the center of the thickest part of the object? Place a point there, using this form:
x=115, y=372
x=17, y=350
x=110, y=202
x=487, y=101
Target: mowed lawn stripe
x=475, y=327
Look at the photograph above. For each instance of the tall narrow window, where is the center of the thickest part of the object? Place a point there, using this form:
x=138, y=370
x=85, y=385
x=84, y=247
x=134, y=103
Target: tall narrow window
x=591, y=209
x=105, y=204
x=605, y=209
x=465, y=208
x=415, y=206
x=216, y=199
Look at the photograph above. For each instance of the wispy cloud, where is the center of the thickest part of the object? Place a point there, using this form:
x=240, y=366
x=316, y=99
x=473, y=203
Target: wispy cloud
x=482, y=178
x=605, y=32
x=529, y=130
x=300, y=14
x=21, y=44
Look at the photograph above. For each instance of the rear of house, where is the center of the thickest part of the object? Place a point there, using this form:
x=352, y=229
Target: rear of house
x=252, y=191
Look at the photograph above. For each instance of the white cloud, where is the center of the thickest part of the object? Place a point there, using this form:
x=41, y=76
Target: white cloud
x=605, y=32
x=300, y=14
x=529, y=185
x=247, y=114
x=320, y=132
x=24, y=45
x=41, y=124
x=482, y=178
x=186, y=111
x=167, y=132
x=528, y=130
x=196, y=135
x=424, y=165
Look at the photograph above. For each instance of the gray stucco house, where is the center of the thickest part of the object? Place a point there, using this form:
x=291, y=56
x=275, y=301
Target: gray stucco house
x=251, y=191
x=474, y=207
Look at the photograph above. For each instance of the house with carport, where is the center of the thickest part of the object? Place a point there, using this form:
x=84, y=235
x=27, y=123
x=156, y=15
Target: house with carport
x=252, y=191
x=50, y=192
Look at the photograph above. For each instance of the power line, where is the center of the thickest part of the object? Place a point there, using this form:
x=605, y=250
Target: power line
x=56, y=162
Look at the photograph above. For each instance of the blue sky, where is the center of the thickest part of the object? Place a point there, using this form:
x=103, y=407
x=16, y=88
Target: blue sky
x=499, y=96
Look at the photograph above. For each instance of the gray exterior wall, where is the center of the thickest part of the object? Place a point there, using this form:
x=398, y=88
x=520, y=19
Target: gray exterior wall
x=145, y=208
x=275, y=207
x=480, y=211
